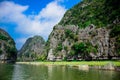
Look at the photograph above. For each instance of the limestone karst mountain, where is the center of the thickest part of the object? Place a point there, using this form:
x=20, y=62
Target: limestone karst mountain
x=32, y=49
x=88, y=31
x=8, y=51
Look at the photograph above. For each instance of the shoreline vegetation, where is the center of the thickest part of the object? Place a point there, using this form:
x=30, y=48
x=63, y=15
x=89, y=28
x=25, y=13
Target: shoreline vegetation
x=82, y=65
x=73, y=63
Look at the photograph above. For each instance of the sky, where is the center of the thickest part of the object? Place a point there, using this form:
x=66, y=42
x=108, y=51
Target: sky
x=26, y=18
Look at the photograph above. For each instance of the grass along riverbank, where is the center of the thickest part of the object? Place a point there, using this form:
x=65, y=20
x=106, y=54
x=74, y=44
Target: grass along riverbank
x=90, y=63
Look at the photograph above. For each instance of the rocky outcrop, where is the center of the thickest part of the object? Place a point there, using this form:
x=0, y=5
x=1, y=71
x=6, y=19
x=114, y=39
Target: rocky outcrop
x=50, y=55
x=98, y=37
x=32, y=49
x=108, y=66
x=8, y=51
x=86, y=23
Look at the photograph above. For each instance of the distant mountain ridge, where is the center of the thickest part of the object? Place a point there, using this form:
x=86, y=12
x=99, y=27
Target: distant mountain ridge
x=32, y=49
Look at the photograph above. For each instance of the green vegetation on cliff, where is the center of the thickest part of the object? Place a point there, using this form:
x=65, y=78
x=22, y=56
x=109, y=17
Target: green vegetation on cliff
x=83, y=50
x=100, y=13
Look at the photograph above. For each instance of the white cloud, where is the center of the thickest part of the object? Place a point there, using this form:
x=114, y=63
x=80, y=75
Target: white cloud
x=11, y=12
x=40, y=24
x=44, y=21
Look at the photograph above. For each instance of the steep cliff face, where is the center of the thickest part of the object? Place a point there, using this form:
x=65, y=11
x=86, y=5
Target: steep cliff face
x=8, y=51
x=87, y=31
x=32, y=48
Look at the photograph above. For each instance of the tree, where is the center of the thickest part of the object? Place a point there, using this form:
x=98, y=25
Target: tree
x=0, y=51
x=83, y=49
x=59, y=47
x=79, y=48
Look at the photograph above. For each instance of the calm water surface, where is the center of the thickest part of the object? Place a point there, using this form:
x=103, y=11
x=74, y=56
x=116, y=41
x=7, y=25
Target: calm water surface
x=32, y=72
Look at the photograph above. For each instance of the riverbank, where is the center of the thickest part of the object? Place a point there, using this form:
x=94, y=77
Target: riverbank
x=83, y=65
x=90, y=63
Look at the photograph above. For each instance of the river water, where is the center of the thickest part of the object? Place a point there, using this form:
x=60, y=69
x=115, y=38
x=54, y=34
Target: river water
x=32, y=72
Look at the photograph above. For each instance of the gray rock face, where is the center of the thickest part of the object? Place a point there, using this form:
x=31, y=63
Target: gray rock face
x=8, y=51
x=98, y=37
x=32, y=48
